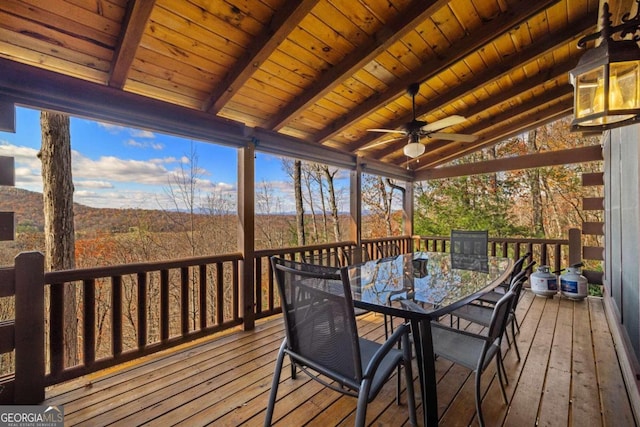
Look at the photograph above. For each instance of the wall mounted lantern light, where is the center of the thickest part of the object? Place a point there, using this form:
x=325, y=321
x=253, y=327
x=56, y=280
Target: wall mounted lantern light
x=607, y=78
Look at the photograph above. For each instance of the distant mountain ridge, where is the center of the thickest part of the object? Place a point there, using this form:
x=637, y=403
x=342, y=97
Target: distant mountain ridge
x=28, y=208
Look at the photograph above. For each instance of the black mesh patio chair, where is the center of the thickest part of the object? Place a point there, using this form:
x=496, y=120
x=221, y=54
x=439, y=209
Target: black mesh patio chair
x=481, y=314
x=329, y=258
x=469, y=242
x=335, y=259
x=322, y=338
x=388, y=249
x=354, y=254
x=475, y=351
x=493, y=296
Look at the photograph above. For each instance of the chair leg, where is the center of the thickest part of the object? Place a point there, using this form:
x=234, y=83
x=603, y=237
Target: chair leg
x=408, y=372
x=513, y=334
x=500, y=379
x=501, y=366
x=363, y=400
x=479, y=400
x=274, y=385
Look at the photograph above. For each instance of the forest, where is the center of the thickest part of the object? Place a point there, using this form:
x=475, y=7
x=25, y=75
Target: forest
x=541, y=202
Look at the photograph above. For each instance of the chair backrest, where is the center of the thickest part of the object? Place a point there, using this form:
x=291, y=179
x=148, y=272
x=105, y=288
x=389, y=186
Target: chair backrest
x=517, y=267
x=319, y=317
x=499, y=317
x=387, y=249
x=349, y=255
x=326, y=258
x=517, y=283
x=469, y=242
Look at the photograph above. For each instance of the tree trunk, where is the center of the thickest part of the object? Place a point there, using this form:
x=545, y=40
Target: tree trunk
x=332, y=202
x=57, y=192
x=297, y=185
x=534, y=185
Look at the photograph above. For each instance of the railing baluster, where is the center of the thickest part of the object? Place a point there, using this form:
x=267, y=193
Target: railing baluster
x=164, y=305
x=203, y=295
x=116, y=315
x=89, y=321
x=257, y=274
x=142, y=310
x=219, y=293
x=235, y=291
x=184, y=300
x=56, y=329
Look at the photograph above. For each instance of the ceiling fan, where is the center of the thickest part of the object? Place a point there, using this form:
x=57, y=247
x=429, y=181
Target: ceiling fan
x=418, y=129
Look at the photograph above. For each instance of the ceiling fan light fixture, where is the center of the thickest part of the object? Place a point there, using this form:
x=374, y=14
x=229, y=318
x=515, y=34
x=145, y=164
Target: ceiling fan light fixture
x=414, y=149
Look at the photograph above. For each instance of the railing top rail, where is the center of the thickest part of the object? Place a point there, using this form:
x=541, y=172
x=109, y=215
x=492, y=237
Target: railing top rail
x=63, y=276
x=505, y=239
x=385, y=239
x=306, y=248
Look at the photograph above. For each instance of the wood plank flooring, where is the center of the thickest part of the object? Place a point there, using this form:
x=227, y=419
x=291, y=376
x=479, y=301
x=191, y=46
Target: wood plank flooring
x=568, y=375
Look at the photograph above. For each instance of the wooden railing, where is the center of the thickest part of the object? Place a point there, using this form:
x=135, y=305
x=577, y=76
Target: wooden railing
x=551, y=252
x=127, y=311
x=267, y=302
x=188, y=298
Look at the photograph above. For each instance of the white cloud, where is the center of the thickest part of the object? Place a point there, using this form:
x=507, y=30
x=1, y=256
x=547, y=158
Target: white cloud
x=139, y=133
x=92, y=184
x=143, y=144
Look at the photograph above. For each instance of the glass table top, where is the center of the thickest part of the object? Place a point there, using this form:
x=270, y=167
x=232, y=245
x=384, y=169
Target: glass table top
x=438, y=281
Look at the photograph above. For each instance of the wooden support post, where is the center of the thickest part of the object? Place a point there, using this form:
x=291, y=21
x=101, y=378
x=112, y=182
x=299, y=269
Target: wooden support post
x=355, y=209
x=29, y=328
x=575, y=246
x=246, y=232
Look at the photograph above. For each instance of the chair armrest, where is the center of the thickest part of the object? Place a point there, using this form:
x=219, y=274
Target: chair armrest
x=388, y=345
x=458, y=331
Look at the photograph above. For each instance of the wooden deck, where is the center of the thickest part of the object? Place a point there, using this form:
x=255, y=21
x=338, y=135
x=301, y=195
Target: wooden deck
x=568, y=375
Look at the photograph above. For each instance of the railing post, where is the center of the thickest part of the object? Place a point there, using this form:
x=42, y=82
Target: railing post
x=575, y=246
x=246, y=234
x=29, y=328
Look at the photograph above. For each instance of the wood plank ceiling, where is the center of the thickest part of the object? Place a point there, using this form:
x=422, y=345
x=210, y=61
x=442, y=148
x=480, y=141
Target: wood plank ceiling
x=321, y=71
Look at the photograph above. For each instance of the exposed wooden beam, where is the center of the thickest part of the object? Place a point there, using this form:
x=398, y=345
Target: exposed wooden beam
x=459, y=50
x=7, y=171
x=526, y=124
x=7, y=226
x=592, y=179
x=284, y=21
x=37, y=88
x=393, y=31
x=528, y=161
x=137, y=15
x=7, y=116
x=532, y=53
x=555, y=73
x=512, y=129
x=489, y=130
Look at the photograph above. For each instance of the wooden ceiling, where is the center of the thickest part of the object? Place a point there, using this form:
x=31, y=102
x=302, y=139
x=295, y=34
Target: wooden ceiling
x=317, y=71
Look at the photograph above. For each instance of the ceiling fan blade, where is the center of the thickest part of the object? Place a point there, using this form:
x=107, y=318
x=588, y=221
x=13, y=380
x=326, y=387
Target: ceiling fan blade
x=376, y=144
x=460, y=137
x=387, y=130
x=443, y=123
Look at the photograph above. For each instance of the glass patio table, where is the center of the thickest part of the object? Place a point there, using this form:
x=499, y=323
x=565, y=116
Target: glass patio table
x=430, y=284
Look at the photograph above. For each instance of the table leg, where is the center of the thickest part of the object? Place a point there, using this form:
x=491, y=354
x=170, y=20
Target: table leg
x=423, y=344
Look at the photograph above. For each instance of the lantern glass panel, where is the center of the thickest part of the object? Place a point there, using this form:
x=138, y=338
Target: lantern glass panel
x=626, y=76
x=589, y=92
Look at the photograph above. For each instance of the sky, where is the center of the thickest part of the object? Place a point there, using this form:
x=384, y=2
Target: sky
x=120, y=167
